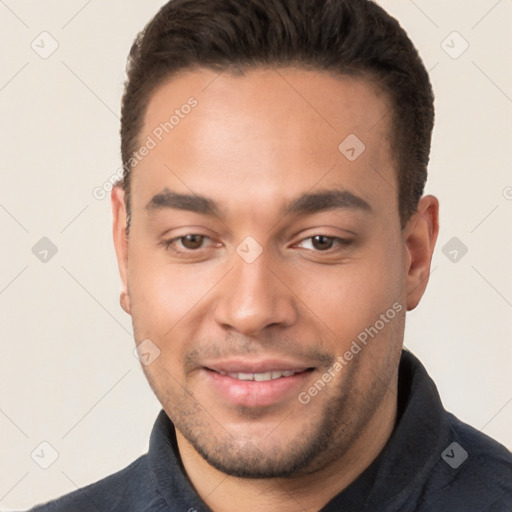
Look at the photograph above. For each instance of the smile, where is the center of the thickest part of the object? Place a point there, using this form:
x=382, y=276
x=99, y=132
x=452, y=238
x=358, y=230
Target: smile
x=261, y=385
x=260, y=377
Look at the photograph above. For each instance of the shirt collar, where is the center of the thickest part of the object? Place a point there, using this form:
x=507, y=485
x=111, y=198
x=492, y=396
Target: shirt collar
x=420, y=435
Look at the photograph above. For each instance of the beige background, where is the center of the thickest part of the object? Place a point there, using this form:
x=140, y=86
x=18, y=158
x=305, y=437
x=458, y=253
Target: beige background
x=68, y=375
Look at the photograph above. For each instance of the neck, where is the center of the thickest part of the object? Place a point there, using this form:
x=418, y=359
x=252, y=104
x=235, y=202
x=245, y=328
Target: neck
x=305, y=492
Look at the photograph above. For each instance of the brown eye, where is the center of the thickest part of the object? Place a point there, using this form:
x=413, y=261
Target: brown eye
x=322, y=243
x=192, y=241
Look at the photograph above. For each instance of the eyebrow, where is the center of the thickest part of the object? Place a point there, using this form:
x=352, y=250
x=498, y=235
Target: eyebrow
x=188, y=202
x=326, y=200
x=308, y=203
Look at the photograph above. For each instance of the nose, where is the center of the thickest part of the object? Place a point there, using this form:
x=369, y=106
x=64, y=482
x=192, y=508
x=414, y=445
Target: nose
x=253, y=297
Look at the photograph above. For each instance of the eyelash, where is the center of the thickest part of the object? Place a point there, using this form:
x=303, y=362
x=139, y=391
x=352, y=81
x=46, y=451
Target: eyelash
x=167, y=243
x=341, y=242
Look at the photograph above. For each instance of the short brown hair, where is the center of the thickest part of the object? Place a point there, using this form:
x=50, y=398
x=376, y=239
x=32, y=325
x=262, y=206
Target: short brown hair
x=355, y=37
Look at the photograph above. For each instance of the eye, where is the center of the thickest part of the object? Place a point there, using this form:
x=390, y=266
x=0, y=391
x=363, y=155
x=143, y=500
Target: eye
x=192, y=241
x=189, y=242
x=322, y=242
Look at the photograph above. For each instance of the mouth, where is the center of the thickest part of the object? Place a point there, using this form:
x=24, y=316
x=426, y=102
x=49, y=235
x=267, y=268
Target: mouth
x=263, y=376
x=252, y=386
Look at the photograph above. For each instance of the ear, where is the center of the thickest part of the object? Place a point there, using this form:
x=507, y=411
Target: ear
x=419, y=236
x=117, y=198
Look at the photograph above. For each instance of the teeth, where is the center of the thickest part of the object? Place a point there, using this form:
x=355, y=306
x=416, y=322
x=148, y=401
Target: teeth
x=245, y=376
x=260, y=377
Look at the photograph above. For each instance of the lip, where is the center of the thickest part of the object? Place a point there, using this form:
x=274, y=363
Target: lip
x=247, y=366
x=255, y=394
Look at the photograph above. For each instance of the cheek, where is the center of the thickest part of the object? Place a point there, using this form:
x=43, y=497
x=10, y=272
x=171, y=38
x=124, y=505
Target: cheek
x=163, y=295
x=348, y=298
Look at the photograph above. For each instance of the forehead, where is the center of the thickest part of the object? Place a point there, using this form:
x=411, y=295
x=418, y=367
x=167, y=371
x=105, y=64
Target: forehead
x=271, y=133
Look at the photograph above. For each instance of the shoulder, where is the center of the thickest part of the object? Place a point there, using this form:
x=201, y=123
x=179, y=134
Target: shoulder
x=487, y=459
x=131, y=488
x=473, y=473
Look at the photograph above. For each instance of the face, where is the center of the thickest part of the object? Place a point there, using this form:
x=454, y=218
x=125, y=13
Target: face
x=266, y=264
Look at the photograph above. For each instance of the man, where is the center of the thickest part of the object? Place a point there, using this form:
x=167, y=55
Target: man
x=271, y=234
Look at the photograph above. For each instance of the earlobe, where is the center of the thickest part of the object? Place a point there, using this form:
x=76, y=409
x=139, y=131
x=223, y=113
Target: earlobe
x=124, y=300
x=117, y=197
x=420, y=235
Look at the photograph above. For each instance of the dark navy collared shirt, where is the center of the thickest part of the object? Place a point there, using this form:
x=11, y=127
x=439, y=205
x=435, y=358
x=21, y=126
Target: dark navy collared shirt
x=432, y=463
